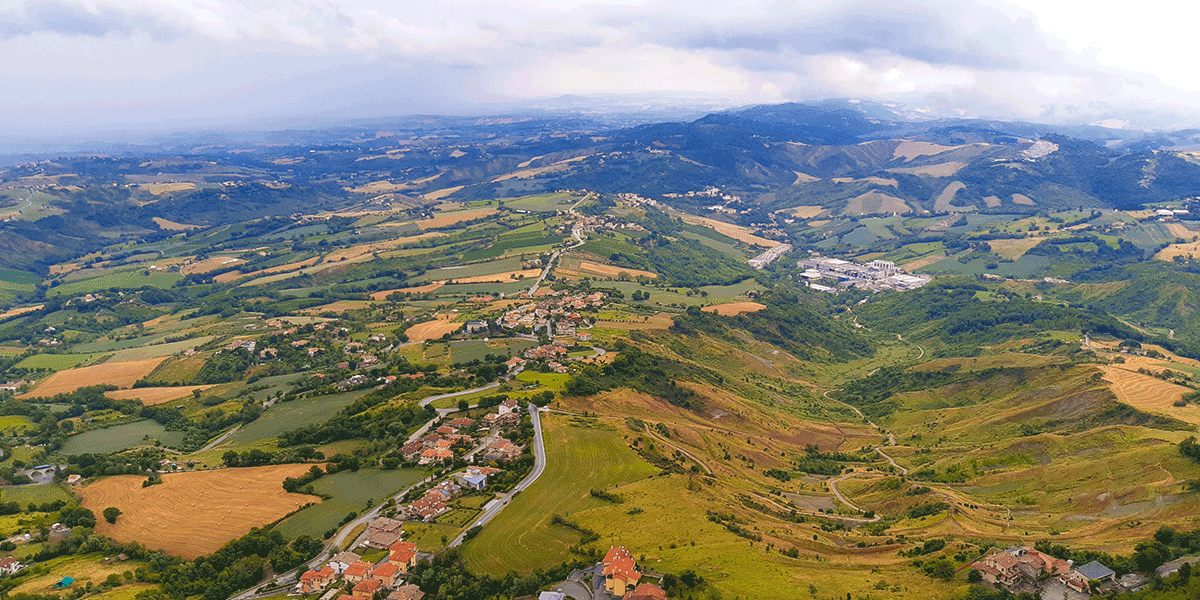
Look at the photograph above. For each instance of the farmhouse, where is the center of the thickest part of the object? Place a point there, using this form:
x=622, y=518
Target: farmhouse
x=502, y=450
x=1012, y=566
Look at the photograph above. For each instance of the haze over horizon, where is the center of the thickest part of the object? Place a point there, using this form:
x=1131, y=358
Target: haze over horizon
x=109, y=68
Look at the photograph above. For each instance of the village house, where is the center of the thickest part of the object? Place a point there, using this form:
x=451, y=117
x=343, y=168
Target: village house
x=357, y=572
x=355, y=597
x=342, y=561
x=403, y=555
x=507, y=406
x=367, y=587
x=412, y=450
x=620, y=571
x=435, y=455
x=406, y=592
x=1079, y=577
x=502, y=450
x=315, y=581
x=387, y=574
x=10, y=565
x=461, y=423
x=646, y=591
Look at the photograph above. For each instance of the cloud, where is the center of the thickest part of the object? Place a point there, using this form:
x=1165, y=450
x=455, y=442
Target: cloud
x=78, y=63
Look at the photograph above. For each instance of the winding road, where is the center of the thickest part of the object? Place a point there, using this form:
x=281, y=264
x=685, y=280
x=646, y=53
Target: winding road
x=494, y=507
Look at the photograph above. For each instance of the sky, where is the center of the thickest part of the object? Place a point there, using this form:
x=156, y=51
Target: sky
x=125, y=67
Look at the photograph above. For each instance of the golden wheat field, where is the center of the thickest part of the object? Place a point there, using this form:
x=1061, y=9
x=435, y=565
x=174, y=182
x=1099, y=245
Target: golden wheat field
x=192, y=514
x=432, y=330
x=151, y=396
x=1149, y=394
x=730, y=309
x=120, y=374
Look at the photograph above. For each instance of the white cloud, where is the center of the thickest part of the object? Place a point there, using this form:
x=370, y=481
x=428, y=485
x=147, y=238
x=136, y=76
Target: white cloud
x=78, y=63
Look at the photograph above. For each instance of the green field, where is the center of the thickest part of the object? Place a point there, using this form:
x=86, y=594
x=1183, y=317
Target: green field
x=350, y=491
x=54, y=362
x=18, y=277
x=121, y=279
x=578, y=459
x=541, y=202
x=490, y=267
x=24, y=494
x=120, y=437
x=10, y=422
x=290, y=415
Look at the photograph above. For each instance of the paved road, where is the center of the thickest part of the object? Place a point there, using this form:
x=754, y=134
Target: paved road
x=539, y=465
x=223, y=437
x=577, y=233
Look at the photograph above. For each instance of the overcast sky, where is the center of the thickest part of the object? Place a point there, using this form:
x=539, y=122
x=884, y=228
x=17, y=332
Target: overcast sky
x=116, y=66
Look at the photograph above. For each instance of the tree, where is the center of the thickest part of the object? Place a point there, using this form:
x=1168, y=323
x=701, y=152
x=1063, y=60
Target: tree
x=111, y=513
x=974, y=576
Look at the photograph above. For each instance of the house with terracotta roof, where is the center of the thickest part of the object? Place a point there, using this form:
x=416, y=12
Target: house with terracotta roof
x=357, y=572
x=646, y=591
x=1016, y=565
x=355, y=597
x=315, y=581
x=367, y=587
x=999, y=569
x=10, y=565
x=620, y=571
x=412, y=450
x=435, y=455
x=386, y=573
x=406, y=592
x=404, y=556
x=507, y=406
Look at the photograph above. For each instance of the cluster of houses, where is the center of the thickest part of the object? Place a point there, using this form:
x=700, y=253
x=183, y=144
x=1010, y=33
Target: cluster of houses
x=364, y=579
x=599, y=222
x=561, y=311
x=878, y=275
x=1025, y=569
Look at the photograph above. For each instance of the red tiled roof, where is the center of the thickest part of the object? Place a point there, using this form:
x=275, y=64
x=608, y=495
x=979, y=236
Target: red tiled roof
x=646, y=591
x=358, y=569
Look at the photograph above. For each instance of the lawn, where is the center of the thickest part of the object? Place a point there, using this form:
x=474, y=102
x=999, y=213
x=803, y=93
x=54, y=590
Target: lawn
x=120, y=437
x=579, y=459
x=291, y=415
x=350, y=491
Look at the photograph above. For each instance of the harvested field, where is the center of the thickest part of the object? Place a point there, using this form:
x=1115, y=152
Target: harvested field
x=526, y=173
x=431, y=330
x=806, y=212
x=730, y=309
x=439, y=194
x=991, y=201
x=944, y=201
x=737, y=232
x=591, y=268
x=192, y=514
x=946, y=169
x=501, y=277
x=172, y=225
x=155, y=395
x=1149, y=394
x=1023, y=199
x=378, y=187
x=923, y=261
x=159, y=189
x=1180, y=230
x=804, y=178
x=120, y=374
x=444, y=219
x=209, y=264
x=911, y=150
x=653, y=322
x=16, y=312
x=1013, y=249
x=1170, y=252
x=420, y=289
x=876, y=202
